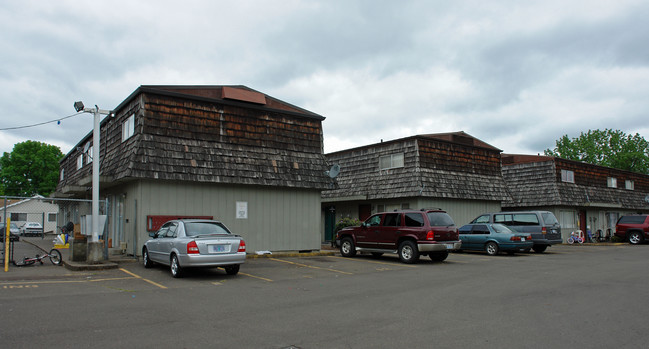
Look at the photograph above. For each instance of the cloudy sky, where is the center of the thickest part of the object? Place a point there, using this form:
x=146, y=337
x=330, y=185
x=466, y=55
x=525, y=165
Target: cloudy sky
x=515, y=74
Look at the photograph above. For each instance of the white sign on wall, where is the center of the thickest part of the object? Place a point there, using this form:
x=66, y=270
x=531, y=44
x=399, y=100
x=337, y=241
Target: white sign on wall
x=242, y=210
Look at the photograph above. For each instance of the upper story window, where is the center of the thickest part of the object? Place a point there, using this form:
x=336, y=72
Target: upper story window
x=568, y=176
x=391, y=161
x=80, y=162
x=62, y=177
x=629, y=185
x=89, y=155
x=611, y=182
x=128, y=127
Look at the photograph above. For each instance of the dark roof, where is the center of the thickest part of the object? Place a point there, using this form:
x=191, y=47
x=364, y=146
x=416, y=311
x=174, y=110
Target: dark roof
x=450, y=165
x=534, y=181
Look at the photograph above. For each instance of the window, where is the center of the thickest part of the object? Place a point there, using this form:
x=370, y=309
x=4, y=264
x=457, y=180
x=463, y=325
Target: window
x=128, y=127
x=62, y=174
x=373, y=221
x=80, y=162
x=391, y=220
x=391, y=161
x=89, y=155
x=51, y=217
x=567, y=176
x=440, y=219
x=414, y=219
x=480, y=229
x=18, y=217
x=629, y=185
x=482, y=219
x=611, y=182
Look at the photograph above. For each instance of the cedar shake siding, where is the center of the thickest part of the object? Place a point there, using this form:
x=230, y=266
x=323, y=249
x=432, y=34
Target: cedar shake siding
x=536, y=181
x=449, y=166
x=206, y=134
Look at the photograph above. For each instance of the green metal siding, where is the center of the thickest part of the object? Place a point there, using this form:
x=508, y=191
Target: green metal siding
x=281, y=219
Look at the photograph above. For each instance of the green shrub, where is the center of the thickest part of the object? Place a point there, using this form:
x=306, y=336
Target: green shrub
x=347, y=222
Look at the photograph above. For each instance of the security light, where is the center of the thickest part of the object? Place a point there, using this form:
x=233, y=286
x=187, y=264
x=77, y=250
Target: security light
x=78, y=106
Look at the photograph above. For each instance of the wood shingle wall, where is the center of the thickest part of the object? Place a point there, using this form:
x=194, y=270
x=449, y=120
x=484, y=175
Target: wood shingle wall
x=191, y=135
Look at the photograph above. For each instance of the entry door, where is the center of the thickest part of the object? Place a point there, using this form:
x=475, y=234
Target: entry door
x=330, y=222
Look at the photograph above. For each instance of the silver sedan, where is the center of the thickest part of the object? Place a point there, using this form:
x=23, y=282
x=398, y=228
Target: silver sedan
x=190, y=243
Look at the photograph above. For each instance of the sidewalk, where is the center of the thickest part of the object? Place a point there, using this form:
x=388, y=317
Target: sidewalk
x=45, y=244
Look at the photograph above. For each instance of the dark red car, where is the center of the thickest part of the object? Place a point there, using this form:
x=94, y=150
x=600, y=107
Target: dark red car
x=634, y=228
x=409, y=233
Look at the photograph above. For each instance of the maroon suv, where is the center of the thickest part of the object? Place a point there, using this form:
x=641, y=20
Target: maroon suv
x=409, y=233
x=634, y=228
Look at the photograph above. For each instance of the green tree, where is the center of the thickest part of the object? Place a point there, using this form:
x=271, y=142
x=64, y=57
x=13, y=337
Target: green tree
x=31, y=168
x=607, y=148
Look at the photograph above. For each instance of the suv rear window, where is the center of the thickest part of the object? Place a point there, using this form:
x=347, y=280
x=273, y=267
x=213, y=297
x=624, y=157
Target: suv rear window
x=440, y=219
x=632, y=219
x=549, y=218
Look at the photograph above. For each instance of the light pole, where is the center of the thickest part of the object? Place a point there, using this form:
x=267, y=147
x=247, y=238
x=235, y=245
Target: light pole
x=79, y=107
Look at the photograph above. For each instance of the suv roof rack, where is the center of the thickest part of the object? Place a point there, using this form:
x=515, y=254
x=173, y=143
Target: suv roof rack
x=433, y=208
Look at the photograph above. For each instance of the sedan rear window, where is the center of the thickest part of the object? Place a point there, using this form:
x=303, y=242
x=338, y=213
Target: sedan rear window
x=205, y=228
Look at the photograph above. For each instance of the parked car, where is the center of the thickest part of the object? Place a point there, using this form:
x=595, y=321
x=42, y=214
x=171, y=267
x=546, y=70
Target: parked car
x=409, y=233
x=13, y=228
x=493, y=238
x=192, y=243
x=634, y=228
x=542, y=225
x=31, y=229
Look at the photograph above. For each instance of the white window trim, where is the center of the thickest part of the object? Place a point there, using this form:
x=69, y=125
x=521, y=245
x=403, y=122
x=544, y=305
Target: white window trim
x=128, y=127
x=396, y=161
x=629, y=185
x=568, y=176
x=80, y=162
x=611, y=182
x=89, y=155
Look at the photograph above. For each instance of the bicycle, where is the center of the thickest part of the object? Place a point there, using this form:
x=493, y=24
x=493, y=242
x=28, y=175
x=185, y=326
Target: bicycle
x=54, y=255
x=576, y=238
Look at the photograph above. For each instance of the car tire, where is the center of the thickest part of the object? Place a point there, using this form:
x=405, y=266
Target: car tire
x=491, y=248
x=347, y=247
x=408, y=252
x=540, y=248
x=232, y=269
x=635, y=238
x=438, y=256
x=174, y=266
x=145, y=258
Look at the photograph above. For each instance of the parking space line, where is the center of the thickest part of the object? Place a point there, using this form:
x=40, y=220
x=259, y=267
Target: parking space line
x=375, y=262
x=310, y=266
x=256, y=277
x=62, y=281
x=139, y=277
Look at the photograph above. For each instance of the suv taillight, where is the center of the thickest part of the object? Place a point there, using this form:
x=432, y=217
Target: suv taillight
x=192, y=248
x=430, y=236
x=242, y=246
x=544, y=231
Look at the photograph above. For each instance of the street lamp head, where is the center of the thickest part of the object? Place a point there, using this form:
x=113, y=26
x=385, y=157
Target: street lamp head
x=78, y=106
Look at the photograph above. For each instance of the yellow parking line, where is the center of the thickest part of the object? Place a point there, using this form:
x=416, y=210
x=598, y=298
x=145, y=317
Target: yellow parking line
x=139, y=277
x=256, y=277
x=309, y=266
x=375, y=262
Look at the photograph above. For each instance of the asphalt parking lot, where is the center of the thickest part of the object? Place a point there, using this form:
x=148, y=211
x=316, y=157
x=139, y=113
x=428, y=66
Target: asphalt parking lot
x=584, y=296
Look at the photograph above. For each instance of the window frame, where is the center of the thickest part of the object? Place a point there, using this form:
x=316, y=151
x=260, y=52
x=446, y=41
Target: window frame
x=128, y=127
x=568, y=176
x=391, y=161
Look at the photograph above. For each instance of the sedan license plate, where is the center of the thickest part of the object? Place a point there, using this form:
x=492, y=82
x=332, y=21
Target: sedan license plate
x=222, y=248
x=522, y=239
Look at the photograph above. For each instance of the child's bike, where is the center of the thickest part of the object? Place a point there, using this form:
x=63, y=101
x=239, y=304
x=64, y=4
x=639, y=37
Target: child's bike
x=578, y=237
x=54, y=255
